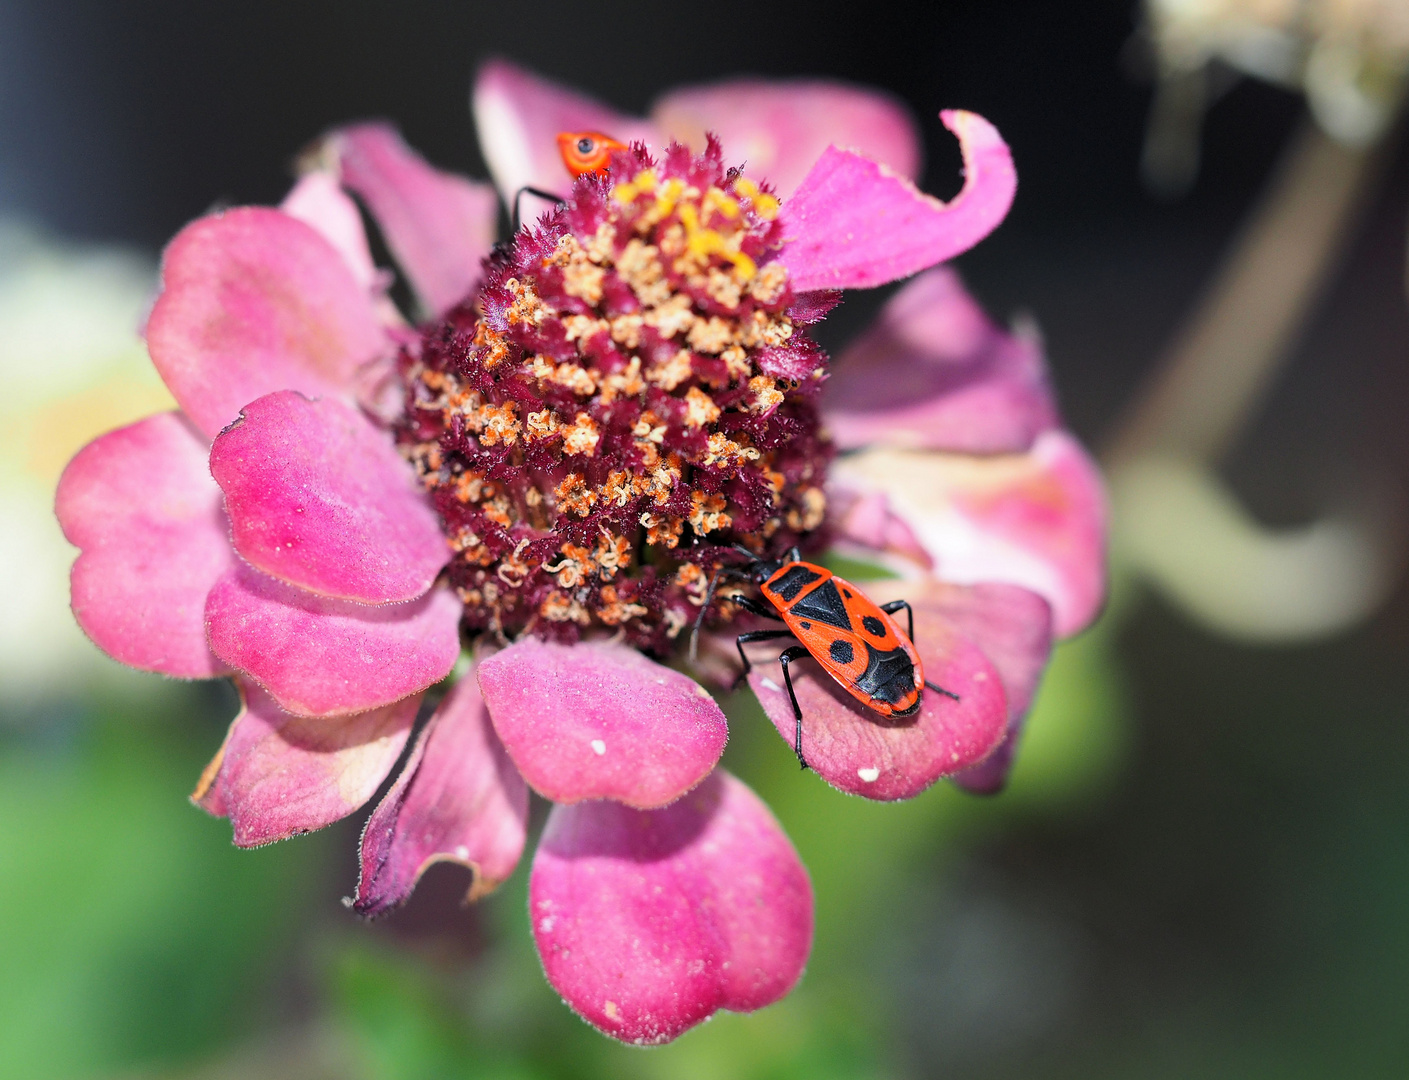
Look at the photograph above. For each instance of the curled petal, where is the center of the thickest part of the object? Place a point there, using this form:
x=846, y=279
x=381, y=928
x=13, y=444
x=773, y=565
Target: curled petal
x=279, y=775
x=865, y=517
x=254, y=301
x=1037, y=519
x=857, y=750
x=601, y=721
x=459, y=798
x=855, y=224
x=1013, y=627
x=317, y=200
x=320, y=498
x=781, y=128
x=933, y=372
x=140, y=504
x=518, y=116
x=647, y=922
x=321, y=657
x=438, y=225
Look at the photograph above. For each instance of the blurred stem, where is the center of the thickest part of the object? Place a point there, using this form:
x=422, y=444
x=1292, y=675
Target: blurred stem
x=1225, y=357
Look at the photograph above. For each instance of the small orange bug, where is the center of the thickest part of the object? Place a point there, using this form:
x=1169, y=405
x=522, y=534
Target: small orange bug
x=587, y=153
x=855, y=640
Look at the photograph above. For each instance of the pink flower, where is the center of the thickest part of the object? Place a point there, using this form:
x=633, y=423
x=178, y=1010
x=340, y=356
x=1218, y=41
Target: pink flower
x=552, y=466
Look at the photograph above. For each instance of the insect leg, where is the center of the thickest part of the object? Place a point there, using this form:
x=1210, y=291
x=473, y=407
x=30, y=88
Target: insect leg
x=515, y=220
x=940, y=690
x=797, y=652
x=704, y=608
x=896, y=605
x=748, y=603
x=755, y=635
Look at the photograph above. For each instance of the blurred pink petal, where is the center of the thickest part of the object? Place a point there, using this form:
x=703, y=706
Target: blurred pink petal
x=518, y=116
x=1013, y=627
x=317, y=200
x=140, y=504
x=459, y=799
x=779, y=129
x=279, y=776
x=320, y=498
x=253, y=301
x=438, y=225
x=933, y=372
x=866, y=518
x=857, y=750
x=321, y=657
x=601, y=721
x=855, y=224
x=647, y=922
x=1036, y=519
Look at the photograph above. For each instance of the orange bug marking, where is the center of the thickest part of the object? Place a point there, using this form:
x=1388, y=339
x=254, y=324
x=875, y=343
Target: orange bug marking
x=587, y=153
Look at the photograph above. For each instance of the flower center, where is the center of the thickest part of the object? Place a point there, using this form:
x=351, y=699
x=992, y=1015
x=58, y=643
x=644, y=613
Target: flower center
x=626, y=396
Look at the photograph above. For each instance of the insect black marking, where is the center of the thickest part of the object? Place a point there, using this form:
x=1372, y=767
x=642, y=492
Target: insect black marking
x=824, y=604
x=842, y=652
x=793, y=582
x=874, y=625
x=805, y=625
x=889, y=675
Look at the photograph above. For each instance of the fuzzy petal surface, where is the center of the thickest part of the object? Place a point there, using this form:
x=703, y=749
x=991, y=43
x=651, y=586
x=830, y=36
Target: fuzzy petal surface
x=1013, y=627
x=779, y=129
x=518, y=116
x=857, y=750
x=317, y=200
x=320, y=498
x=855, y=224
x=253, y=301
x=278, y=775
x=140, y=505
x=322, y=657
x=648, y=921
x=601, y=721
x=1037, y=519
x=934, y=372
x=458, y=799
x=438, y=225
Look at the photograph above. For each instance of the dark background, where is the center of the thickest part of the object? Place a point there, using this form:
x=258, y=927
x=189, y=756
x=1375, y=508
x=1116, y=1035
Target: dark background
x=1233, y=902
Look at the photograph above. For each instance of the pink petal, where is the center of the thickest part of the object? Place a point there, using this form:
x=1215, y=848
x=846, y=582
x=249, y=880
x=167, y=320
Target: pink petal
x=647, y=922
x=601, y=721
x=857, y=750
x=321, y=657
x=437, y=224
x=317, y=200
x=458, y=799
x=865, y=517
x=1013, y=627
x=279, y=776
x=781, y=128
x=855, y=224
x=1037, y=519
x=518, y=116
x=253, y=301
x=934, y=372
x=320, y=498
x=141, y=505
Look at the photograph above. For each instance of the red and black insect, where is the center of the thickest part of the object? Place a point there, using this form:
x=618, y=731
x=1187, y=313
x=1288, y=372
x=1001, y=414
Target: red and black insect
x=855, y=640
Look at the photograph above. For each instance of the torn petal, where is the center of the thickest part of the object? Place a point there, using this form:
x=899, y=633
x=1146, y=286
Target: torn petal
x=438, y=225
x=601, y=721
x=320, y=498
x=647, y=922
x=855, y=224
x=140, y=504
x=278, y=775
x=253, y=301
x=322, y=657
x=781, y=128
x=459, y=798
x=859, y=751
x=933, y=372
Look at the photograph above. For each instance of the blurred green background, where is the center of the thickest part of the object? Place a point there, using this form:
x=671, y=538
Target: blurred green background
x=1201, y=865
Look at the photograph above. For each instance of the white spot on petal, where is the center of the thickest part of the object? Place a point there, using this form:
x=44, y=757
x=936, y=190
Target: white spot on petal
x=769, y=684
x=462, y=852
x=869, y=774
x=545, y=924
x=980, y=676
x=599, y=747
